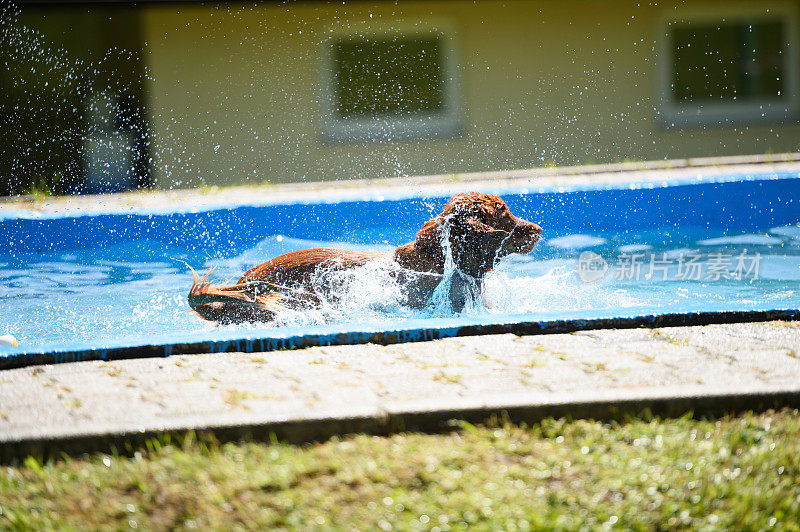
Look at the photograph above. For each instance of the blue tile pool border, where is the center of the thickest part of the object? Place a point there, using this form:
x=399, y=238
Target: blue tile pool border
x=265, y=343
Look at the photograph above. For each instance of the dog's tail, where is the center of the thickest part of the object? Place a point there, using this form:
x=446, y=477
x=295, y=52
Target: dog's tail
x=234, y=303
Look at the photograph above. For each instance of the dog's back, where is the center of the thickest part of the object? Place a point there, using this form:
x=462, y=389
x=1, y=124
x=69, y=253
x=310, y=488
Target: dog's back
x=297, y=269
x=287, y=281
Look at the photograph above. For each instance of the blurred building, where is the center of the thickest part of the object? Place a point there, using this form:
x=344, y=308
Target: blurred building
x=252, y=92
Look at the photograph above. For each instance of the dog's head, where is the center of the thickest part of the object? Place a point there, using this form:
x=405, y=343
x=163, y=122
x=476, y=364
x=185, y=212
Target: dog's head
x=481, y=231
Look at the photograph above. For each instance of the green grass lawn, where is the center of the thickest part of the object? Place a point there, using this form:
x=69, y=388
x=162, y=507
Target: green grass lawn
x=731, y=473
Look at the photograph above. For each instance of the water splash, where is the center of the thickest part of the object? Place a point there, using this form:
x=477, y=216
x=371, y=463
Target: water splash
x=558, y=290
x=456, y=288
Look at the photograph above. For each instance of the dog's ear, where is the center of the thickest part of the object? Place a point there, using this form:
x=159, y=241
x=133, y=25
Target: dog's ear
x=487, y=237
x=469, y=229
x=475, y=246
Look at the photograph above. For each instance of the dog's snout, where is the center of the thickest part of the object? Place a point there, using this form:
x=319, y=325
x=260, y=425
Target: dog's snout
x=535, y=232
x=530, y=228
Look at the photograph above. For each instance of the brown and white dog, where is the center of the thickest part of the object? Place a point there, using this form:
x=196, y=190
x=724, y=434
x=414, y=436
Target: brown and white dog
x=476, y=230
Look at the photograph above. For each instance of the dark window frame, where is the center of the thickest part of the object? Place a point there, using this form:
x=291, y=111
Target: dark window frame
x=398, y=118
x=723, y=111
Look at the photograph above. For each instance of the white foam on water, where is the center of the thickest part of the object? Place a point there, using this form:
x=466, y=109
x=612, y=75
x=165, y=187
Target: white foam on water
x=674, y=254
x=791, y=231
x=578, y=241
x=634, y=248
x=779, y=268
x=737, y=240
x=560, y=289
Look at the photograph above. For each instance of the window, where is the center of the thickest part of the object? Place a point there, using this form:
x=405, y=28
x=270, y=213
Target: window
x=389, y=84
x=732, y=67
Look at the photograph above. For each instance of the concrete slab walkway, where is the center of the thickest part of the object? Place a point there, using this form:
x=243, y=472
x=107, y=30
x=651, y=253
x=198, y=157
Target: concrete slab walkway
x=319, y=391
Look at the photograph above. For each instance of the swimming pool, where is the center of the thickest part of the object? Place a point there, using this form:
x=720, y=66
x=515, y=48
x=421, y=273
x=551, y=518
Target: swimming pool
x=114, y=285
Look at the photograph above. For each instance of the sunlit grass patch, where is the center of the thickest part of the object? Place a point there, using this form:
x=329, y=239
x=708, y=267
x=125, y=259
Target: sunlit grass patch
x=732, y=473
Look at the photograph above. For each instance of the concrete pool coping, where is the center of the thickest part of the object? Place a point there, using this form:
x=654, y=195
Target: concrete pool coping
x=92, y=417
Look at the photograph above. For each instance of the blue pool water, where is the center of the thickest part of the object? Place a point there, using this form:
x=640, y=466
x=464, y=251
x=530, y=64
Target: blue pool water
x=696, y=247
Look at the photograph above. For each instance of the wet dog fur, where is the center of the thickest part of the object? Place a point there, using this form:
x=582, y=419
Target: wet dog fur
x=479, y=230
